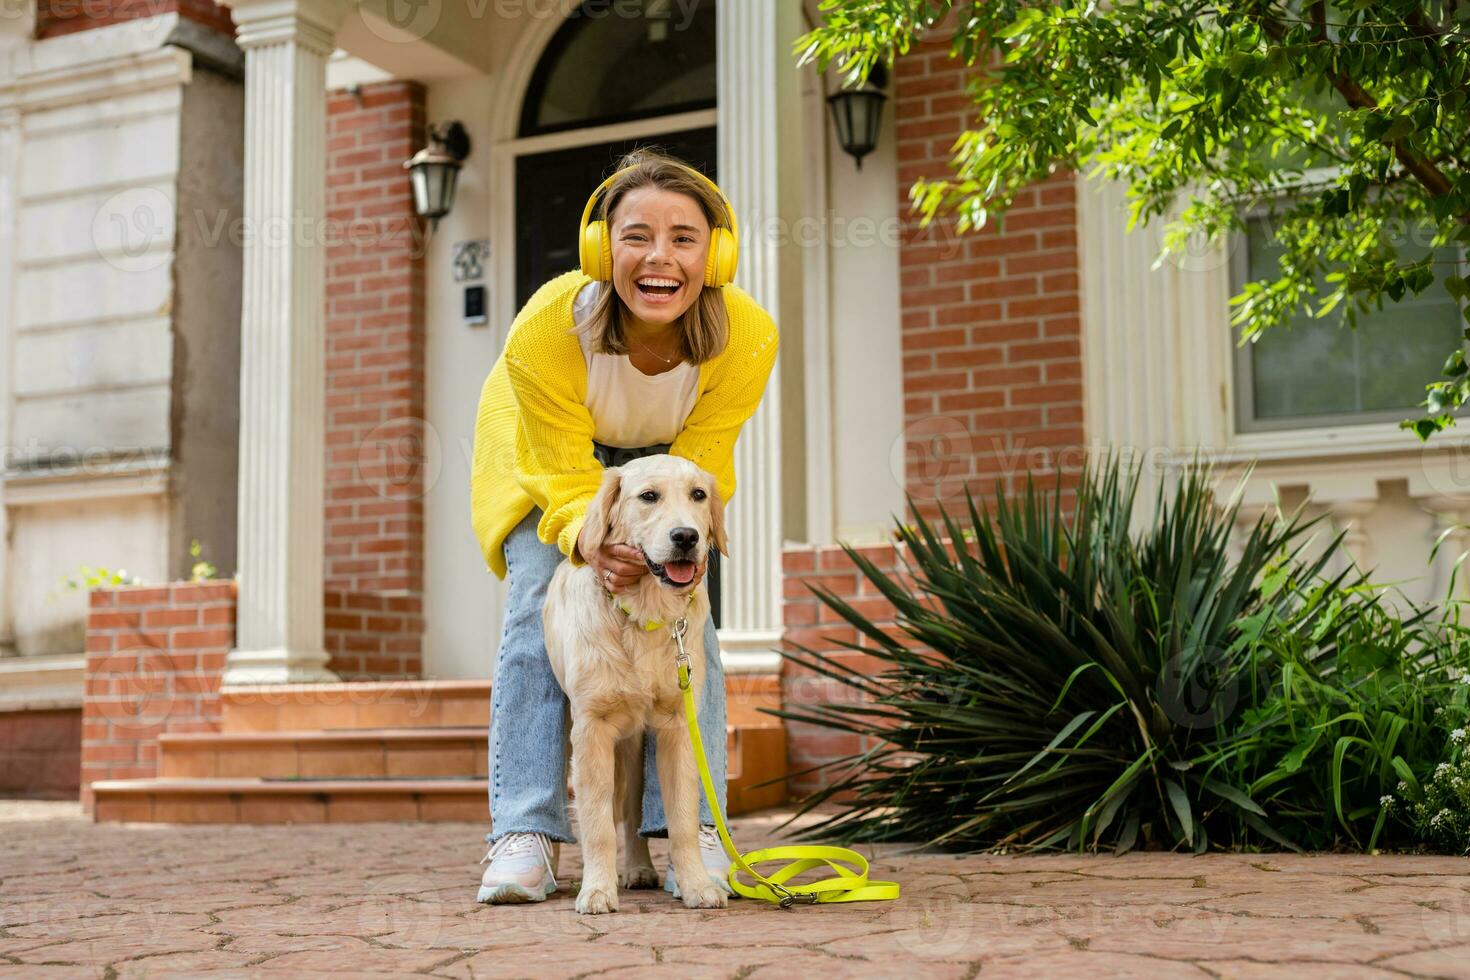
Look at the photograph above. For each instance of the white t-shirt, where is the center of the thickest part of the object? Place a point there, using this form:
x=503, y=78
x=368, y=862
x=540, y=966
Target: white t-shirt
x=631, y=409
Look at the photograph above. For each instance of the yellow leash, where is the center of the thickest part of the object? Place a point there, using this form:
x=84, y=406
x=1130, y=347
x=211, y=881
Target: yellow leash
x=851, y=883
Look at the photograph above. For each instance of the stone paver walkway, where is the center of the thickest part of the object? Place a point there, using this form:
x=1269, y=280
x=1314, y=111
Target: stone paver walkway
x=397, y=900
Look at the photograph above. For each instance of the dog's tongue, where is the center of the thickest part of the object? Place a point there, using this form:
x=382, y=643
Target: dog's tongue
x=680, y=572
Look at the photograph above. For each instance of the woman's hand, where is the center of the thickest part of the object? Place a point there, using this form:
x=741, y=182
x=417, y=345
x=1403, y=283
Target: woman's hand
x=620, y=566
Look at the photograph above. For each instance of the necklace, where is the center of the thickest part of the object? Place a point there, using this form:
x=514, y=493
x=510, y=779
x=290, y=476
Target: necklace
x=646, y=350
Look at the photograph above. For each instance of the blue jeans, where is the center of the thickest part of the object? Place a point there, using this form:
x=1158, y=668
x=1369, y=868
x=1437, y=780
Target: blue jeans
x=528, y=779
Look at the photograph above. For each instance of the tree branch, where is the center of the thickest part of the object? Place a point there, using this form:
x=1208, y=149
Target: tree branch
x=1433, y=179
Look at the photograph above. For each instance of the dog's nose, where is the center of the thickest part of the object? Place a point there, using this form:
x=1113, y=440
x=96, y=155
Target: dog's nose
x=684, y=537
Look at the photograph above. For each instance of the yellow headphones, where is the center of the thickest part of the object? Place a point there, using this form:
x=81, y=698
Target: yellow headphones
x=595, y=240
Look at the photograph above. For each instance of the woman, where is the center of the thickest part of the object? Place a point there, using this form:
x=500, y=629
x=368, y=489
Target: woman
x=646, y=349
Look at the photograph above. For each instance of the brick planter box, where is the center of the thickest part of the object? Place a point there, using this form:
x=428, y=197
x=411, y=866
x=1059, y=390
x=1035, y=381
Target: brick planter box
x=817, y=626
x=813, y=624
x=155, y=655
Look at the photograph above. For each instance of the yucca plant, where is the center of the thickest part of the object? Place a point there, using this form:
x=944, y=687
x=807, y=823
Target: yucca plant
x=1072, y=680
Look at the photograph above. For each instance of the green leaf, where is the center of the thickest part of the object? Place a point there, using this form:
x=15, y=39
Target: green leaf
x=1274, y=580
x=1293, y=759
x=1455, y=365
x=1228, y=792
x=1061, y=736
x=1179, y=800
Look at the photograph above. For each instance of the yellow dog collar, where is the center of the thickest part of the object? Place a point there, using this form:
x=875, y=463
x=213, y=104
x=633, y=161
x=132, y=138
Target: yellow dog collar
x=652, y=624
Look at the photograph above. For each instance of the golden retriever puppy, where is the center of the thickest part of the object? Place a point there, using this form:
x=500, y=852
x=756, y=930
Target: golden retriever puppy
x=621, y=678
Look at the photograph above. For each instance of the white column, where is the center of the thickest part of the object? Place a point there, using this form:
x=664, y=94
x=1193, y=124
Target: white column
x=759, y=107
x=282, y=345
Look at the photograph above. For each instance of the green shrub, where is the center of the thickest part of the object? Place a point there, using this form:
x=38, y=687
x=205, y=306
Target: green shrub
x=1361, y=697
x=1439, y=813
x=1441, y=816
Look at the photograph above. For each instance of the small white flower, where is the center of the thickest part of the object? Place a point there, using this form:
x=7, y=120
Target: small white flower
x=1437, y=819
x=1465, y=678
x=1385, y=801
x=1403, y=787
x=1457, y=736
x=1441, y=769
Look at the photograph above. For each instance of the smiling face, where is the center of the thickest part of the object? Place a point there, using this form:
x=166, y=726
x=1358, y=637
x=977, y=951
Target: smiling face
x=660, y=243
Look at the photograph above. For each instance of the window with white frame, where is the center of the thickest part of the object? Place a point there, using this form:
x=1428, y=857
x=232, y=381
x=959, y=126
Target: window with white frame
x=1311, y=373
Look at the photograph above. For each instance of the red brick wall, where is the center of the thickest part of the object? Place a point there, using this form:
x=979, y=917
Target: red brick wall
x=57, y=17
x=40, y=753
x=991, y=324
x=155, y=655
x=379, y=451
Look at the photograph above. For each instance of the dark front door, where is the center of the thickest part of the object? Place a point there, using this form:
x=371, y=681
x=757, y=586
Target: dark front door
x=551, y=191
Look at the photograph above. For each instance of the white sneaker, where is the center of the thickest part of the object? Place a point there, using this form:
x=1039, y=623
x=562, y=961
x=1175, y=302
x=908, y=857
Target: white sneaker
x=716, y=862
x=522, y=869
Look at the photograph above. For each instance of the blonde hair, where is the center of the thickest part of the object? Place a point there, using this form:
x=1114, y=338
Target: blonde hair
x=704, y=327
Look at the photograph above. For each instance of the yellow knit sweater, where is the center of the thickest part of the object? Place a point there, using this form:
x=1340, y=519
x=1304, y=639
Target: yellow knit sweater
x=533, y=433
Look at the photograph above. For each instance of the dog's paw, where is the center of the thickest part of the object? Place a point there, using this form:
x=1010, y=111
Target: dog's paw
x=704, y=896
x=644, y=877
x=596, y=901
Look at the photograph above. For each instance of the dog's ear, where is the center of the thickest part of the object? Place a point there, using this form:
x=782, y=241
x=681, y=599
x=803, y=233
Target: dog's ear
x=602, y=513
x=717, y=523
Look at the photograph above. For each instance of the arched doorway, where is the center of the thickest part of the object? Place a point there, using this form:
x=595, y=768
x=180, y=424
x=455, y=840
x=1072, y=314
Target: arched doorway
x=626, y=66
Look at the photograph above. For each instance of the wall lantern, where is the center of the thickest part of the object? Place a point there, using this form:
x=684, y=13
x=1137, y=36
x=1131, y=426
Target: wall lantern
x=434, y=169
x=858, y=112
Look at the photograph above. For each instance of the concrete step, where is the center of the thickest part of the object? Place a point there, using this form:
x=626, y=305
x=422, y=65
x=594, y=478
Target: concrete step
x=355, y=704
x=425, y=704
x=396, y=753
x=363, y=753
x=260, y=801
